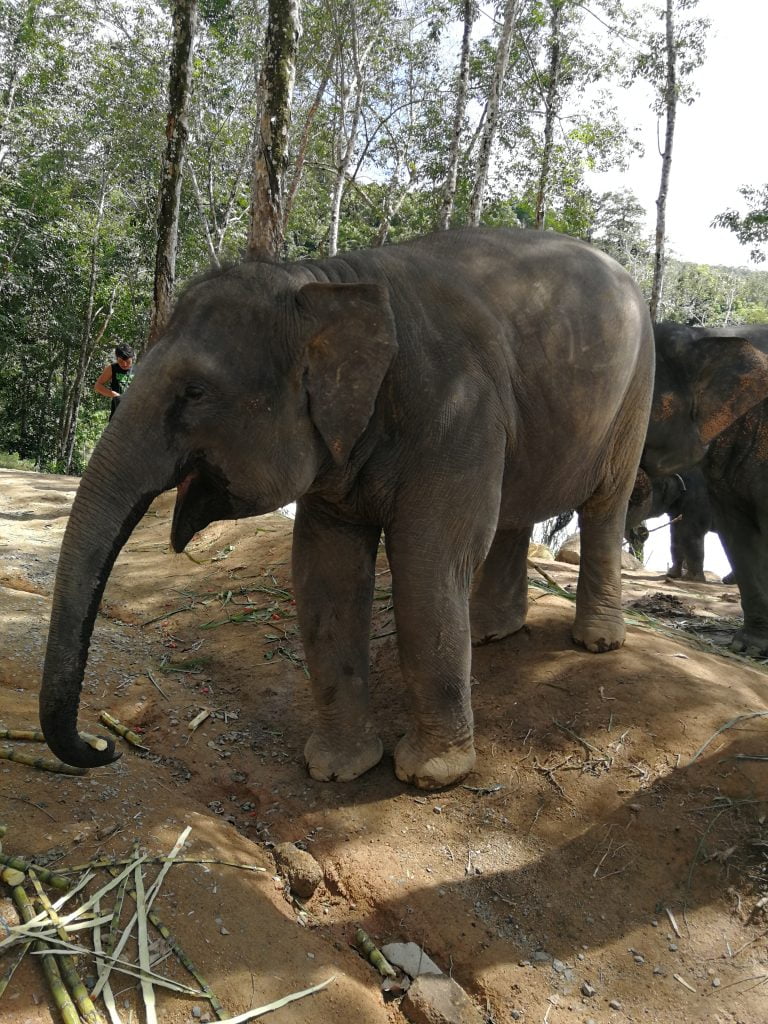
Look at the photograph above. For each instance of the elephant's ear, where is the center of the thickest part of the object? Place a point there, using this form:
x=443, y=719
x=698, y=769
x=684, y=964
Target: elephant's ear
x=732, y=378
x=351, y=343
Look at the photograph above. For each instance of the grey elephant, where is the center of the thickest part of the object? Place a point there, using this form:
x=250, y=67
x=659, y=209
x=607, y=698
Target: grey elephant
x=450, y=391
x=710, y=408
x=684, y=498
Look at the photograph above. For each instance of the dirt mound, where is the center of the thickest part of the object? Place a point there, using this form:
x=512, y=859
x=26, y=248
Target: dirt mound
x=605, y=861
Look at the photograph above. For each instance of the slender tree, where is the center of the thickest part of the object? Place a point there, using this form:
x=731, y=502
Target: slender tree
x=180, y=81
x=276, y=81
x=667, y=62
x=488, y=135
x=551, y=107
x=462, y=92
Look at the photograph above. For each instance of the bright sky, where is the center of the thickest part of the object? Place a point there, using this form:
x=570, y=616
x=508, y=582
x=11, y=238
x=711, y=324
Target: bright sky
x=720, y=141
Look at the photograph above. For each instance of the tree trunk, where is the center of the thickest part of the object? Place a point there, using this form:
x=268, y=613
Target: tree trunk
x=492, y=118
x=74, y=396
x=276, y=80
x=462, y=89
x=184, y=29
x=551, y=106
x=670, y=105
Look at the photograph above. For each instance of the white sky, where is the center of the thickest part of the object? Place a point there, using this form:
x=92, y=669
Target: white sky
x=720, y=141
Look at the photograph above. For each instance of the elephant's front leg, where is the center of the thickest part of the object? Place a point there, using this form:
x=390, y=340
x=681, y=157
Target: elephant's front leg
x=599, y=624
x=333, y=573
x=431, y=576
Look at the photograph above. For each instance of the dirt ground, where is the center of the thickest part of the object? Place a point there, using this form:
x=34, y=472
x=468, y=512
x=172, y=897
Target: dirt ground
x=546, y=884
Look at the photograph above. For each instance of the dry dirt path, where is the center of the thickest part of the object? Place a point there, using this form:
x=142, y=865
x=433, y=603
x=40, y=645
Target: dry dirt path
x=546, y=876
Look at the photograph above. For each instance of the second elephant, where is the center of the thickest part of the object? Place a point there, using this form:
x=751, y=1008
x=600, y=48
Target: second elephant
x=684, y=498
x=710, y=408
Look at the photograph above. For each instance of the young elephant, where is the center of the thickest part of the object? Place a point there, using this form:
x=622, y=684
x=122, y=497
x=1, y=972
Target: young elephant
x=417, y=389
x=683, y=497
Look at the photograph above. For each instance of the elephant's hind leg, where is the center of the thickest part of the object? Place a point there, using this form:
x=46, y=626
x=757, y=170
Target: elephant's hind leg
x=499, y=601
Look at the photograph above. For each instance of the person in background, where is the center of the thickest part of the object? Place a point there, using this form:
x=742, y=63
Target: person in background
x=115, y=378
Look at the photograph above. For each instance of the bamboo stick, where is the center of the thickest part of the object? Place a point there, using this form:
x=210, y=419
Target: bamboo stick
x=9, y=754
x=185, y=961
x=122, y=730
x=58, y=989
x=36, y=736
x=366, y=945
x=67, y=968
x=57, y=881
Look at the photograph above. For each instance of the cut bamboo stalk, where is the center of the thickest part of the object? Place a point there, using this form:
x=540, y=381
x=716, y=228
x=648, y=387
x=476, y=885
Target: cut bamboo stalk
x=72, y=979
x=9, y=754
x=58, y=989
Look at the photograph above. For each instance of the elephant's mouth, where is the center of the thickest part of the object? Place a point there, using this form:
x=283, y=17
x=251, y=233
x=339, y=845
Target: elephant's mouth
x=202, y=497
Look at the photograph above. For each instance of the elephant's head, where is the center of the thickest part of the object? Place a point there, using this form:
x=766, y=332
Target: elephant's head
x=261, y=384
x=705, y=380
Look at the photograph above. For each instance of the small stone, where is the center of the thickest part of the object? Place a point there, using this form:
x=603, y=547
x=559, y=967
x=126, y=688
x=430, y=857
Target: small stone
x=436, y=998
x=197, y=1013
x=516, y=1014
x=639, y=958
x=587, y=989
x=715, y=983
x=659, y=971
x=615, y=1004
x=673, y=947
x=541, y=957
x=437, y=810
x=579, y=956
x=223, y=930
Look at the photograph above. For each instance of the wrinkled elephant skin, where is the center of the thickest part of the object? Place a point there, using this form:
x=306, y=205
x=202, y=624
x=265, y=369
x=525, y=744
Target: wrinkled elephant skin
x=711, y=408
x=450, y=392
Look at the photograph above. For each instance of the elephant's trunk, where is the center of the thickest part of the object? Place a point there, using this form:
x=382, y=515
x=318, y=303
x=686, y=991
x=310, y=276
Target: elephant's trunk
x=114, y=494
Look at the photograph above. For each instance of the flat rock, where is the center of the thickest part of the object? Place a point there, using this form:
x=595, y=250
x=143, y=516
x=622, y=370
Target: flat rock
x=437, y=999
x=410, y=958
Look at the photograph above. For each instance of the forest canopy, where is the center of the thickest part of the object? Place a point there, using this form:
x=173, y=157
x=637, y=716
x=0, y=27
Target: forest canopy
x=405, y=117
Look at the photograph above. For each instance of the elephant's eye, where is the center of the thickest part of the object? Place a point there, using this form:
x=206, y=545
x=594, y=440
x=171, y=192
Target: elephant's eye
x=193, y=391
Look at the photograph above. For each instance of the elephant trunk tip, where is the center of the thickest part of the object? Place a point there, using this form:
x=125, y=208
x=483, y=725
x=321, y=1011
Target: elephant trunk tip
x=89, y=752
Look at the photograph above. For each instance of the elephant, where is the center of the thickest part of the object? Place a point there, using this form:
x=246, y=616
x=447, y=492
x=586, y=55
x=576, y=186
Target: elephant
x=710, y=409
x=449, y=391
x=683, y=497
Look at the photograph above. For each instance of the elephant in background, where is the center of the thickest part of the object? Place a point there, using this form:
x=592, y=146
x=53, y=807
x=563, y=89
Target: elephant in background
x=710, y=409
x=417, y=389
x=684, y=498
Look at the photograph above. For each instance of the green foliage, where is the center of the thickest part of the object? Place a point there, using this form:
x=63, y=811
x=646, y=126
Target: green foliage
x=83, y=88
x=10, y=460
x=750, y=228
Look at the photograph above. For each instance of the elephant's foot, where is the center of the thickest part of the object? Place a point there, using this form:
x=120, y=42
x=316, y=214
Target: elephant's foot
x=419, y=767
x=494, y=623
x=754, y=645
x=695, y=577
x=674, y=572
x=331, y=759
x=729, y=579
x=600, y=633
